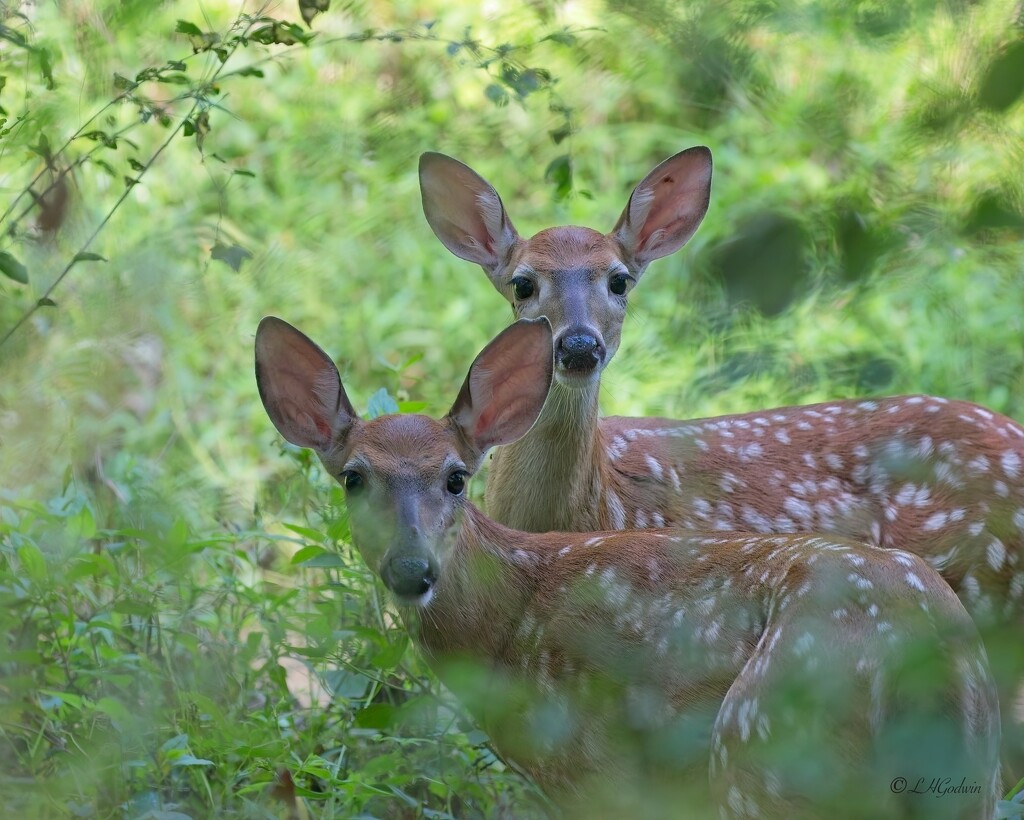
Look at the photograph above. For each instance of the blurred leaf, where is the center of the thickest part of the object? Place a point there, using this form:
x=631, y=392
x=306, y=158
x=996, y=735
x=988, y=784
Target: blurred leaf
x=191, y=29
x=994, y=212
x=348, y=684
x=231, y=255
x=881, y=18
x=202, y=127
x=33, y=564
x=376, y=716
x=327, y=560
x=390, y=656
x=381, y=404
x=46, y=301
x=12, y=268
x=1002, y=82
x=113, y=709
x=46, y=67
x=765, y=264
x=88, y=256
x=560, y=134
x=190, y=760
x=496, y=94
x=859, y=244
x=559, y=173
x=141, y=608
x=311, y=8
x=281, y=33
x=305, y=532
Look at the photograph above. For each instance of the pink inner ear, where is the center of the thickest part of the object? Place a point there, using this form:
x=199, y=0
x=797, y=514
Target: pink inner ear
x=483, y=421
x=323, y=428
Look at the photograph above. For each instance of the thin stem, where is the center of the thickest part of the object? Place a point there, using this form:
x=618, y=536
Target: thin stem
x=199, y=101
x=85, y=246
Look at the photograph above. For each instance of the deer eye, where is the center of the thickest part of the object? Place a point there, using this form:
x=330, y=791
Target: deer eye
x=619, y=283
x=352, y=480
x=457, y=482
x=522, y=288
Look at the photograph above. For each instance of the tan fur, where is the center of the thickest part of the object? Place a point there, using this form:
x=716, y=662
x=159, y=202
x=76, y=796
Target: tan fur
x=942, y=479
x=637, y=672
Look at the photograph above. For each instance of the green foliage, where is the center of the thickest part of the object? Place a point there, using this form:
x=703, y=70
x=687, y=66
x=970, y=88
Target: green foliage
x=185, y=628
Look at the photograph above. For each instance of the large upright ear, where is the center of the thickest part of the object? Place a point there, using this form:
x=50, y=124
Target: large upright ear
x=666, y=208
x=506, y=386
x=300, y=387
x=464, y=211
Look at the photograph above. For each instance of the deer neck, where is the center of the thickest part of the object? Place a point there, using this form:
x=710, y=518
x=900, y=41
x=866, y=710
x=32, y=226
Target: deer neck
x=552, y=478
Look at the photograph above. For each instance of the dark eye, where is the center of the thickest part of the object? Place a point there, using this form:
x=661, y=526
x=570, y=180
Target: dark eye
x=619, y=283
x=457, y=482
x=522, y=287
x=352, y=480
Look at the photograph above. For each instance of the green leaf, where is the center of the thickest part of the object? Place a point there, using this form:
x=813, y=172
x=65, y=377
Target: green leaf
x=249, y=71
x=191, y=29
x=191, y=760
x=381, y=404
x=231, y=255
x=1002, y=83
x=46, y=67
x=329, y=560
x=347, y=684
x=390, y=656
x=88, y=256
x=496, y=94
x=33, y=564
x=560, y=134
x=46, y=301
x=12, y=268
x=375, y=716
x=141, y=608
x=281, y=33
x=559, y=172
x=202, y=126
x=305, y=532
x=304, y=554
x=113, y=709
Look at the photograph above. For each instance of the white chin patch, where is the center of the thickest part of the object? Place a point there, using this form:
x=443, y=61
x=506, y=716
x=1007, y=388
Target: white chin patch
x=419, y=601
x=576, y=379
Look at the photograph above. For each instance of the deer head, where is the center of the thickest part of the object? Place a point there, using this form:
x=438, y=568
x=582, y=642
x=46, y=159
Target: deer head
x=578, y=278
x=404, y=475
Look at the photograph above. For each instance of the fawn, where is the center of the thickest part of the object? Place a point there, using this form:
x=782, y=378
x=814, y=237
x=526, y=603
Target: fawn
x=942, y=479
x=759, y=675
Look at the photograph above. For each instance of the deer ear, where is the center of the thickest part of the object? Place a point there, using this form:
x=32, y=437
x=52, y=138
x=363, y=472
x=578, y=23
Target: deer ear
x=506, y=386
x=300, y=387
x=667, y=207
x=464, y=211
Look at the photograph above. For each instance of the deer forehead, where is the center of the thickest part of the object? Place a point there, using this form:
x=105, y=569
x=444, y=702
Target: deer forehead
x=569, y=248
x=403, y=446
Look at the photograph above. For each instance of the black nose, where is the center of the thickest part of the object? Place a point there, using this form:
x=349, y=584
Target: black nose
x=578, y=350
x=408, y=576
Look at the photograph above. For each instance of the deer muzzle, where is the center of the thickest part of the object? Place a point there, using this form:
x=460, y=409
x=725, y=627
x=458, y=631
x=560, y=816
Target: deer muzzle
x=579, y=352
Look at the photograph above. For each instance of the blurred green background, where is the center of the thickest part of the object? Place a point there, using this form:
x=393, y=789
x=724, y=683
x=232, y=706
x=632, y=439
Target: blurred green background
x=177, y=597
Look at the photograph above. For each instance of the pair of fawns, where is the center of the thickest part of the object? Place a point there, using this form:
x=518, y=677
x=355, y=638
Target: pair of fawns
x=782, y=613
